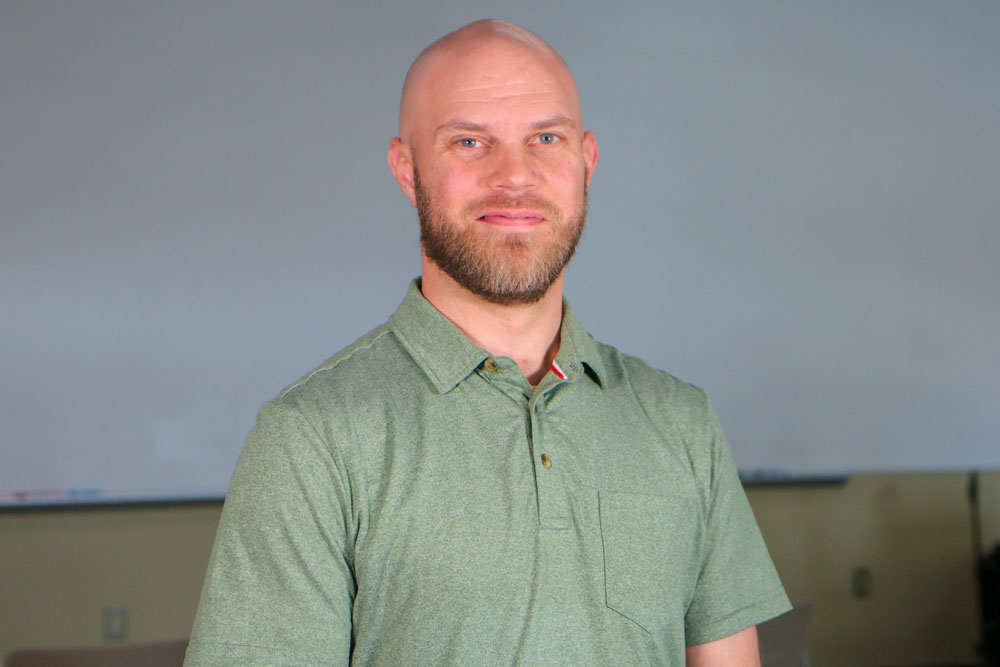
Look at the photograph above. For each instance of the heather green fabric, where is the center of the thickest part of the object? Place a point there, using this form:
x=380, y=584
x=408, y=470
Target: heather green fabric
x=392, y=508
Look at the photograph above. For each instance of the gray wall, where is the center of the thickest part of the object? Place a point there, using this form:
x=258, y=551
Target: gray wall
x=795, y=208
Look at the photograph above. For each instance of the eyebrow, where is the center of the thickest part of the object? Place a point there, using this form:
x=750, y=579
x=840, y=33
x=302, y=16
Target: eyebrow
x=462, y=125
x=555, y=121
x=466, y=126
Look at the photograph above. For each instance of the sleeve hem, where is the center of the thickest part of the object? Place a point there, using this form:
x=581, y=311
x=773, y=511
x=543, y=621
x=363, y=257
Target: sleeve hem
x=210, y=652
x=763, y=609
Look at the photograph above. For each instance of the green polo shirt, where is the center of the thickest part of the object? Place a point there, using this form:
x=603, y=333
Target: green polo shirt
x=414, y=501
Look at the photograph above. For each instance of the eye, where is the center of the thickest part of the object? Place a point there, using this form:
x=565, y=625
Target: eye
x=468, y=142
x=547, y=138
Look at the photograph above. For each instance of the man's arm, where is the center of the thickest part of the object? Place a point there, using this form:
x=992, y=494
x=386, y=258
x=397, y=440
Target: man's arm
x=737, y=586
x=739, y=650
x=280, y=584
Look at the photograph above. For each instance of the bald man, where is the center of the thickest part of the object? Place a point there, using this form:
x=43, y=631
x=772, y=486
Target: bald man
x=477, y=481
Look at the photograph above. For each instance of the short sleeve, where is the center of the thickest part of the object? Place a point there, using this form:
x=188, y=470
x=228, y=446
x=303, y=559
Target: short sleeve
x=280, y=584
x=737, y=584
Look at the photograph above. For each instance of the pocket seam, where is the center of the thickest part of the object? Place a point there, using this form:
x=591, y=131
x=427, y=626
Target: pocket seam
x=601, y=497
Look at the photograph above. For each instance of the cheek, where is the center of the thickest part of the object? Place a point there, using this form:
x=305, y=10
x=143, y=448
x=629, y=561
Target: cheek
x=455, y=187
x=570, y=184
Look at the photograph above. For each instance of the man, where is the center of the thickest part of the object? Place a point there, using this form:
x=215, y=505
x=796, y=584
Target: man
x=478, y=481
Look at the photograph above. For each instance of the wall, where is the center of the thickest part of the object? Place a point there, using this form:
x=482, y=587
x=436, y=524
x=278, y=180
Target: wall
x=61, y=568
x=806, y=193
x=913, y=532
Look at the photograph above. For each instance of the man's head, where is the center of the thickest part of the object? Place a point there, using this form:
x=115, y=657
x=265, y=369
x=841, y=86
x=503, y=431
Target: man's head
x=493, y=154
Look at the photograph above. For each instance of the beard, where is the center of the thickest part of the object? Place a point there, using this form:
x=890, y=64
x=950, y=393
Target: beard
x=505, y=269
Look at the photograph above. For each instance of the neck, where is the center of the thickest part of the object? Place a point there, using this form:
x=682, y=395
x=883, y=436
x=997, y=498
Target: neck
x=527, y=333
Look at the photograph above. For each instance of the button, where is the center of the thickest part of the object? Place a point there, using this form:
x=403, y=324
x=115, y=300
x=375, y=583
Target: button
x=490, y=365
x=546, y=461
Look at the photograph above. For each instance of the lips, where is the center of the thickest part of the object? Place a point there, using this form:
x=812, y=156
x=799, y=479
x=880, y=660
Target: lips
x=502, y=211
x=513, y=217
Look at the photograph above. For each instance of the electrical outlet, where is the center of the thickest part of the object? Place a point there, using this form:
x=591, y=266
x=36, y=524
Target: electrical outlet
x=861, y=582
x=115, y=624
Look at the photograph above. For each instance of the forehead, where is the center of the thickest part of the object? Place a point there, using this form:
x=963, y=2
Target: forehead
x=495, y=78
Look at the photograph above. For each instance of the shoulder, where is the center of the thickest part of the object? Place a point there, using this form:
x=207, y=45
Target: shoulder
x=366, y=350
x=655, y=389
x=347, y=398
x=678, y=411
x=327, y=419
x=365, y=368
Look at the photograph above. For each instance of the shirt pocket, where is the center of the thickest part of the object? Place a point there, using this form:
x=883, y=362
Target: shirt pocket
x=650, y=556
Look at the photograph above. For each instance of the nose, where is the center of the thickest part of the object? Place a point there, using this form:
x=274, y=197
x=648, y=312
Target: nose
x=514, y=169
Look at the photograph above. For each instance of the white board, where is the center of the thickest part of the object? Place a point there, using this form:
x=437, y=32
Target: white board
x=796, y=208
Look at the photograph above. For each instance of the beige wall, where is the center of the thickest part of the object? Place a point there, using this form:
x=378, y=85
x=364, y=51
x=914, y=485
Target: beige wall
x=61, y=568
x=913, y=532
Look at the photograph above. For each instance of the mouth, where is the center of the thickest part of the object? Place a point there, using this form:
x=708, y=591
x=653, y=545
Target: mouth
x=513, y=218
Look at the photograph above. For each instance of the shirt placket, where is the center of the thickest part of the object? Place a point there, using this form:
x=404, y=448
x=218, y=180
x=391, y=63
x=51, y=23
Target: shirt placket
x=553, y=505
x=551, y=499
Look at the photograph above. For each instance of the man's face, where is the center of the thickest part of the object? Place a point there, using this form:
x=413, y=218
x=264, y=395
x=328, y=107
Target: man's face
x=500, y=266
x=500, y=168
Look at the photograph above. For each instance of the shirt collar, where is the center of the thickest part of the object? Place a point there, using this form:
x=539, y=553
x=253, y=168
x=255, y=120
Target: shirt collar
x=447, y=356
x=578, y=349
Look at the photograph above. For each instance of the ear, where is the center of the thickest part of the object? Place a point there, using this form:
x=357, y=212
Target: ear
x=401, y=164
x=589, y=154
